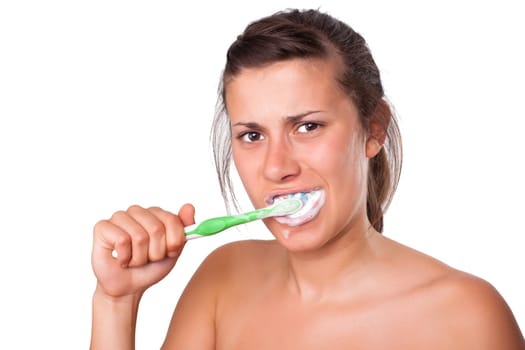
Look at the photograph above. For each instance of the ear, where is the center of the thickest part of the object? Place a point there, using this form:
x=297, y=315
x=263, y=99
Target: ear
x=377, y=129
x=374, y=145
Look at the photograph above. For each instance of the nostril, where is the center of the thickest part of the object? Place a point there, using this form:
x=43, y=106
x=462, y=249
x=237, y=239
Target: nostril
x=279, y=162
x=288, y=177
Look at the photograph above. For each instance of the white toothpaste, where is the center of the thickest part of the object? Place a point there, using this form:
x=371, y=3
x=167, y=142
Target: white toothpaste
x=312, y=204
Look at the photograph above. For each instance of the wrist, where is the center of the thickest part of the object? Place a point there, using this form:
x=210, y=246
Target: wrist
x=107, y=298
x=114, y=320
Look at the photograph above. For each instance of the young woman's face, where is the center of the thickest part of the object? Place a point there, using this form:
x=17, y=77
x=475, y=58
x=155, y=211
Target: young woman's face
x=293, y=130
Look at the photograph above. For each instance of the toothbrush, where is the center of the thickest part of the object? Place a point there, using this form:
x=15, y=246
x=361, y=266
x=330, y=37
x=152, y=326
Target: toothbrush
x=215, y=225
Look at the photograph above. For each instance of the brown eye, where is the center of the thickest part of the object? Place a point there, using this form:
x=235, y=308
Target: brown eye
x=251, y=136
x=307, y=127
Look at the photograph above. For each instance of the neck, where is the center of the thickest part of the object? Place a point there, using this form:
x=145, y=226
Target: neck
x=315, y=275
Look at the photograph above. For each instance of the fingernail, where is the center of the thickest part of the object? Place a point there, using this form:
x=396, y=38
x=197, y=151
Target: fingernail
x=173, y=254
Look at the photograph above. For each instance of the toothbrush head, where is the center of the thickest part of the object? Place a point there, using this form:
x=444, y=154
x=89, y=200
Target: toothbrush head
x=286, y=207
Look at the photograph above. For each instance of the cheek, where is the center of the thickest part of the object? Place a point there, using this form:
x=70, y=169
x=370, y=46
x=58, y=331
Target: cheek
x=339, y=157
x=246, y=166
x=238, y=162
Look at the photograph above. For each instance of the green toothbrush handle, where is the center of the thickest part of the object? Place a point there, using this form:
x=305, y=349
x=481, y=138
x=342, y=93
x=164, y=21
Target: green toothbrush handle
x=215, y=225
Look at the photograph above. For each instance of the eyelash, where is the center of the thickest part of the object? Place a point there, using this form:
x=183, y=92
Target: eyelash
x=246, y=136
x=307, y=125
x=249, y=136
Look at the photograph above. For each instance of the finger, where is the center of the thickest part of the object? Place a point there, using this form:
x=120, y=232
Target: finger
x=187, y=214
x=111, y=237
x=138, y=234
x=175, y=238
x=155, y=229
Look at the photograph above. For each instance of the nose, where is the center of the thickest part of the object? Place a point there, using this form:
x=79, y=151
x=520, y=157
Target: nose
x=280, y=163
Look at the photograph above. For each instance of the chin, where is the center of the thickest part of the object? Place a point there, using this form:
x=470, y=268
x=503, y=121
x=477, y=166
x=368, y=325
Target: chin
x=306, y=237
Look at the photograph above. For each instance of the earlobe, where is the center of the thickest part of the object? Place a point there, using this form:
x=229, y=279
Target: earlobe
x=373, y=146
x=377, y=129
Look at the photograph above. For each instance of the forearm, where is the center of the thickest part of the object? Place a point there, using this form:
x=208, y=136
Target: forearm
x=113, y=322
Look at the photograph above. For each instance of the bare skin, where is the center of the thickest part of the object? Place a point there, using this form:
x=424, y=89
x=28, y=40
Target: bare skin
x=331, y=282
x=395, y=298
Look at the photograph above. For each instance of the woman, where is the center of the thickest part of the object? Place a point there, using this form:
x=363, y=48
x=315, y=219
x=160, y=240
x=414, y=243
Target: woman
x=302, y=110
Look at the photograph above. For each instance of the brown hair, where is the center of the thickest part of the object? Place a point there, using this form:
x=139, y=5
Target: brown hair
x=312, y=34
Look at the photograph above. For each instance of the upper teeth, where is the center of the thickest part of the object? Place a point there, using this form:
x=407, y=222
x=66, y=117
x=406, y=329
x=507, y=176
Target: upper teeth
x=303, y=196
x=308, y=198
x=312, y=203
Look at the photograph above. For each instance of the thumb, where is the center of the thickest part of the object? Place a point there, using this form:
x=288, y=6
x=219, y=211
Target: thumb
x=187, y=214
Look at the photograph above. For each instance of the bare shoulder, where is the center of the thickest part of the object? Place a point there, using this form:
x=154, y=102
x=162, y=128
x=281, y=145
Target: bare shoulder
x=219, y=277
x=241, y=257
x=244, y=249
x=463, y=306
x=476, y=311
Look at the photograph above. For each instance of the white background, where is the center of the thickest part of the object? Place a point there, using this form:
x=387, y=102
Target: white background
x=104, y=104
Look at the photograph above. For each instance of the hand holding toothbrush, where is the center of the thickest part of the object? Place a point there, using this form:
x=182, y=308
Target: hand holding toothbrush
x=136, y=248
x=147, y=242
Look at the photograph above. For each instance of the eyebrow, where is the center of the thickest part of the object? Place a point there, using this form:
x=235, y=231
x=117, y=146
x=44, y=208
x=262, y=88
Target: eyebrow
x=289, y=118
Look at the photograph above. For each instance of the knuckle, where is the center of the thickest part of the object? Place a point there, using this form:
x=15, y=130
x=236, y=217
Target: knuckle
x=123, y=241
x=178, y=241
x=99, y=226
x=141, y=239
x=173, y=221
x=118, y=215
x=157, y=229
x=134, y=208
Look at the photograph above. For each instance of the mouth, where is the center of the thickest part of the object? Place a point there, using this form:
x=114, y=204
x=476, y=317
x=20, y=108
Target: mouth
x=312, y=204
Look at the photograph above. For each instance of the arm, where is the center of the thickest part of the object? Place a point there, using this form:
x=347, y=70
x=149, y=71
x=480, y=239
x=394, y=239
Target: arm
x=113, y=322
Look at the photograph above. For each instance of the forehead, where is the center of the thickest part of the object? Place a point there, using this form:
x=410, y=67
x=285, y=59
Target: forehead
x=284, y=88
